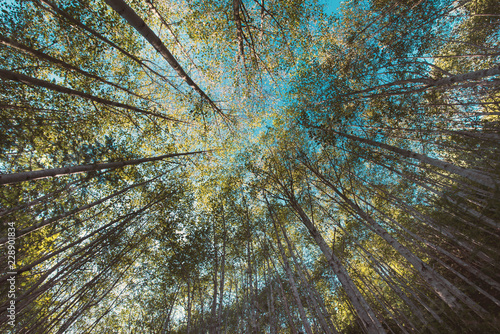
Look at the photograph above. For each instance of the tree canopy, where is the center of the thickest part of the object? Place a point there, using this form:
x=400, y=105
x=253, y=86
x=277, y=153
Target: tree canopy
x=249, y=166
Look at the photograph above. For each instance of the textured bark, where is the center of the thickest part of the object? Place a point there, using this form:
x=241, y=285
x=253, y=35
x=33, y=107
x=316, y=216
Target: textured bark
x=273, y=322
x=363, y=309
x=239, y=29
x=41, y=174
x=135, y=21
x=27, y=80
x=447, y=291
x=286, y=264
x=447, y=166
x=40, y=55
x=49, y=221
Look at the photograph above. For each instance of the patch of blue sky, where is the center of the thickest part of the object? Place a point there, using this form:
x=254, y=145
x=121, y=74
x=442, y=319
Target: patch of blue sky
x=331, y=6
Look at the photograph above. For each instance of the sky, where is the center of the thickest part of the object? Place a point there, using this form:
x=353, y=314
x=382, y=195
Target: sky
x=331, y=5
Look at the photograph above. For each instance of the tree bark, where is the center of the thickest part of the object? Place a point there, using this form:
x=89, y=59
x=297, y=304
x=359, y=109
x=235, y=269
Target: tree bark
x=222, y=270
x=44, y=173
x=39, y=54
x=327, y=328
x=447, y=166
x=135, y=21
x=365, y=313
x=288, y=270
x=49, y=221
x=27, y=80
x=445, y=290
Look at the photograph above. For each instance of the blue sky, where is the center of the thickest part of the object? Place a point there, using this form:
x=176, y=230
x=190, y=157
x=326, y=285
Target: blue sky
x=331, y=5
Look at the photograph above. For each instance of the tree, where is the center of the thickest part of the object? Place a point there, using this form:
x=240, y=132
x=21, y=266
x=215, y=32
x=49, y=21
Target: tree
x=348, y=181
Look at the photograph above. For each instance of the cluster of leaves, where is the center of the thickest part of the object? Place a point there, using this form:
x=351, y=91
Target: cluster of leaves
x=365, y=199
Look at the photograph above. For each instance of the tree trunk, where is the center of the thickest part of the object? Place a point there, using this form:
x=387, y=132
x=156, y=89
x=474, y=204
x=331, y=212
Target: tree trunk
x=363, y=309
x=222, y=269
x=447, y=166
x=39, y=54
x=288, y=270
x=9, y=75
x=213, y=312
x=441, y=286
x=135, y=21
x=49, y=221
x=102, y=38
x=311, y=291
x=44, y=173
x=188, y=329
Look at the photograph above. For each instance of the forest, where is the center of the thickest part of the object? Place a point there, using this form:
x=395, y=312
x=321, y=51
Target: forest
x=250, y=166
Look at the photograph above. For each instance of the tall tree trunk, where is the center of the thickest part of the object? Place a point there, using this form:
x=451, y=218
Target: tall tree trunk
x=239, y=29
x=94, y=33
x=14, y=76
x=447, y=292
x=135, y=21
x=363, y=309
x=166, y=324
x=222, y=269
x=188, y=282
x=475, y=75
x=312, y=292
x=213, y=311
x=447, y=166
x=286, y=264
x=44, y=173
x=49, y=221
x=293, y=330
x=39, y=54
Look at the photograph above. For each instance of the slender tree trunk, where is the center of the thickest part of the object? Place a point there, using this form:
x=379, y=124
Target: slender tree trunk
x=312, y=292
x=270, y=301
x=447, y=166
x=49, y=221
x=213, y=312
x=135, y=21
x=102, y=38
x=239, y=29
x=80, y=240
x=223, y=264
x=477, y=273
x=39, y=54
x=44, y=173
x=363, y=309
x=286, y=264
x=188, y=330
x=293, y=330
x=68, y=188
x=441, y=286
x=427, y=83
x=475, y=75
x=14, y=76
x=166, y=324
